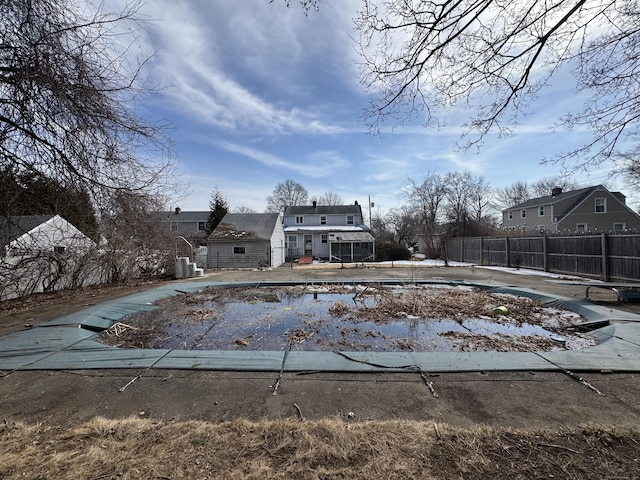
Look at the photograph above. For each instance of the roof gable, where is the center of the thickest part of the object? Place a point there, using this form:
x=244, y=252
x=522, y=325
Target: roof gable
x=578, y=195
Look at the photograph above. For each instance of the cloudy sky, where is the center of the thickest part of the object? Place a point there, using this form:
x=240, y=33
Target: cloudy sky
x=258, y=93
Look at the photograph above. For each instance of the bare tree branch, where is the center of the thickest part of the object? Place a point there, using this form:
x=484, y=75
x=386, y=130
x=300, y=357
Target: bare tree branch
x=494, y=57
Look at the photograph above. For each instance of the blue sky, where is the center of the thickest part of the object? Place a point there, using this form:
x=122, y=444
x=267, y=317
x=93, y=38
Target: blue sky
x=257, y=93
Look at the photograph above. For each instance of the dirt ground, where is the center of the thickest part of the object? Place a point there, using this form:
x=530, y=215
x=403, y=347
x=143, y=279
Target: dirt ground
x=481, y=424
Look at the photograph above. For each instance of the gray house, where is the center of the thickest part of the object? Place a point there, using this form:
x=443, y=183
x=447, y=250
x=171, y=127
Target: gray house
x=591, y=209
x=336, y=233
x=247, y=240
x=191, y=225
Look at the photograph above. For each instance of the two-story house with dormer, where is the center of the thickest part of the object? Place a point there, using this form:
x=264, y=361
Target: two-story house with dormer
x=591, y=209
x=336, y=233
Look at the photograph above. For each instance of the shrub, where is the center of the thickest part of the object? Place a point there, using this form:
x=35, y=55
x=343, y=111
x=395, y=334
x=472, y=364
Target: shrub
x=389, y=251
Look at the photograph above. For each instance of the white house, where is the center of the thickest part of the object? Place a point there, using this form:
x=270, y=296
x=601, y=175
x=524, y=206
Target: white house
x=336, y=233
x=35, y=234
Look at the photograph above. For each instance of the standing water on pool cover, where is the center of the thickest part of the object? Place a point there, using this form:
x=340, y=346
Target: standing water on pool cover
x=359, y=318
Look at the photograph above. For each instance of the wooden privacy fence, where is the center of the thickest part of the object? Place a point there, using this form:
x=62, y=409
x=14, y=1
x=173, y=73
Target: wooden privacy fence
x=604, y=256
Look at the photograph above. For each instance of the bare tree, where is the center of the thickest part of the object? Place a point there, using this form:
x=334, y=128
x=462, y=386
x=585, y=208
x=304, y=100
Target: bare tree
x=68, y=90
x=330, y=198
x=286, y=194
x=404, y=223
x=461, y=187
x=545, y=186
x=421, y=57
x=380, y=227
x=138, y=242
x=426, y=199
x=514, y=194
x=481, y=201
x=244, y=209
x=70, y=132
x=519, y=192
x=305, y=4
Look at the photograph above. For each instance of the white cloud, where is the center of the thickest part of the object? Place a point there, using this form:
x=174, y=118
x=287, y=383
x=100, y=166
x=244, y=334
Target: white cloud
x=315, y=165
x=235, y=65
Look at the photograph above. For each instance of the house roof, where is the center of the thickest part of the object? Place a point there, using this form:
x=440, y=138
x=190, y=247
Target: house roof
x=14, y=227
x=577, y=195
x=193, y=216
x=323, y=209
x=324, y=228
x=351, y=237
x=246, y=226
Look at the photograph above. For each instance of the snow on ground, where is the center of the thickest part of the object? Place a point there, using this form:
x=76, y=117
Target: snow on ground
x=524, y=271
x=514, y=271
x=425, y=263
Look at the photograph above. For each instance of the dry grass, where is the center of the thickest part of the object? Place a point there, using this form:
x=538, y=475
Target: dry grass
x=327, y=449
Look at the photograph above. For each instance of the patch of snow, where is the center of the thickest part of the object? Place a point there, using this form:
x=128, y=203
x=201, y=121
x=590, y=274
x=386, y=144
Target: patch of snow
x=524, y=271
x=425, y=263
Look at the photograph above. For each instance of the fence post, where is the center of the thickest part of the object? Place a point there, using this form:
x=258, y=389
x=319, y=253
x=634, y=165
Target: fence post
x=605, y=257
x=481, y=250
x=507, y=251
x=545, y=253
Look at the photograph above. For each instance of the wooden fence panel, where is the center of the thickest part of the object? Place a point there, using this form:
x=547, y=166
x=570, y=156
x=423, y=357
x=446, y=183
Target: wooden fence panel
x=454, y=249
x=494, y=252
x=526, y=252
x=575, y=254
x=608, y=257
x=623, y=257
x=473, y=250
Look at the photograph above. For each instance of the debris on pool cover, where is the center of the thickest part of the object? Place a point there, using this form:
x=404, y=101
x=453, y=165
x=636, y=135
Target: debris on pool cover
x=356, y=318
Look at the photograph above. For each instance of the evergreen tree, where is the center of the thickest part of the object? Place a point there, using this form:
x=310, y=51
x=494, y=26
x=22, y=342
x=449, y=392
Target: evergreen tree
x=33, y=194
x=218, y=207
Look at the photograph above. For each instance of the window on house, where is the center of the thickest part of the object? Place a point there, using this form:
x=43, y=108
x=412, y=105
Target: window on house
x=541, y=228
x=541, y=211
x=349, y=219
x=324, y=238
x=510, y=215
x=292, y=241
x=523, y=213
x=202, y=226
x=601, y=205
x=618, y=227
x=299, y=219
x=323, y=219
x=59, y=250
x=581, y=227
x=239, y=250
x=174, y=227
